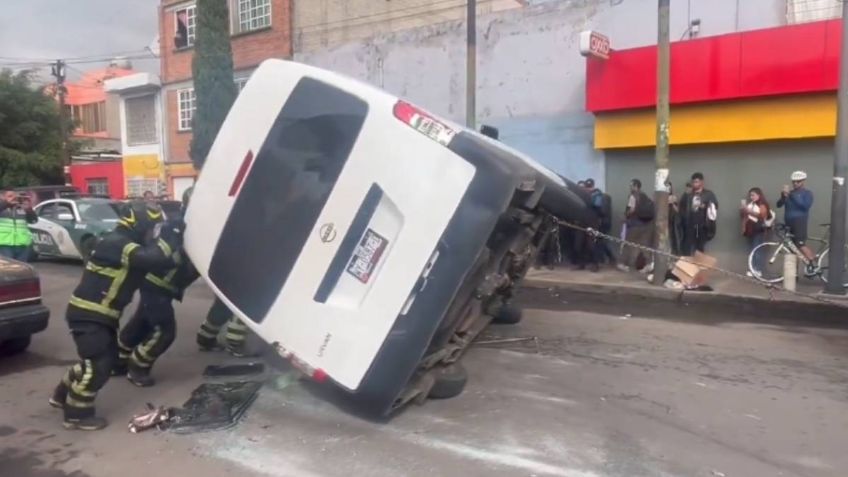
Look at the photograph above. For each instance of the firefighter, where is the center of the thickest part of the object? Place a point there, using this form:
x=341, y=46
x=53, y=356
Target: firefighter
x=113, y=272
x=235, y=335
x=152, y=329
x=218, y=317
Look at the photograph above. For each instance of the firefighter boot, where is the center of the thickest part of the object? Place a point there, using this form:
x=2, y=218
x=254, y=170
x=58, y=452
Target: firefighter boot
x=60, y=394
x=89, y=423
x=57, y=400
x=140, y=376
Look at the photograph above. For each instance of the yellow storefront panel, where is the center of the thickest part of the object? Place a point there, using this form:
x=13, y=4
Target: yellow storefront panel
x=786, y=117
x=181, y=169
x=143, y=166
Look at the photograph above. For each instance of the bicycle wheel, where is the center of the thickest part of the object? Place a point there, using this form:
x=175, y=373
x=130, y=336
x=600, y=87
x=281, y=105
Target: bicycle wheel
x=823, y=265
x=772, y=272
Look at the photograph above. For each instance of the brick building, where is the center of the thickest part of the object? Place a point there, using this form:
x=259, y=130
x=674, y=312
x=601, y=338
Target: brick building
x=260, y=29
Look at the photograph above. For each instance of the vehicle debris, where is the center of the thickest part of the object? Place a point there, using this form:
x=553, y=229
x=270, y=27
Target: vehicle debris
x=214, y=406
x=157, y=417
x=229, y=370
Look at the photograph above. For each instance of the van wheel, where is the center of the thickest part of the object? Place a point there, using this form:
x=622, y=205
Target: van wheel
x=14, y=346
x=508, y=315
x=450, y=381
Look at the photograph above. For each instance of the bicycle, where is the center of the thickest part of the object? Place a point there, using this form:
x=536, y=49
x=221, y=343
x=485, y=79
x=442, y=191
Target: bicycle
x=773, y=270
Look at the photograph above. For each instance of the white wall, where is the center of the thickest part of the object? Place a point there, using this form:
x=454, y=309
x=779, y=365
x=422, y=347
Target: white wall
x=153, y=148
x=531, y=77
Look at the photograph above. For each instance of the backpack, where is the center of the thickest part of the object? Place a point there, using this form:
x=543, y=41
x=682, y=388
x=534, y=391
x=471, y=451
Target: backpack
x=644, y=207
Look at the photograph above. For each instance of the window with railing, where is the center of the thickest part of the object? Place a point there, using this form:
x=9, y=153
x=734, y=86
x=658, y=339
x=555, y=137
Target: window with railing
x=186, y=105
x=141, y=120
x=137, y=187
x=250, y=15
x=97, y=186
x=803, y=11
x=89, y=118
x=185, y=21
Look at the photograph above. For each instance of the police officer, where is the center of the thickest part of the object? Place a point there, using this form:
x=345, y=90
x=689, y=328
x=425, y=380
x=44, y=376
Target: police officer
x=152, y=329
x=15, y=215
x=114, y=271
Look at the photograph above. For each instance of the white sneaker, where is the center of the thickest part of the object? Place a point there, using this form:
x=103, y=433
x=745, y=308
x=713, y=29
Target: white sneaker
x=749, y=274
x=623, y=268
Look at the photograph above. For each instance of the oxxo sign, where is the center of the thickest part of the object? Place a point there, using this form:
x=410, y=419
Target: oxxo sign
x=594, y=44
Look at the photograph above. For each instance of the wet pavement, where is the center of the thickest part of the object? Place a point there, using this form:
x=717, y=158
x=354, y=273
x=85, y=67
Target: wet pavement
x=609, y=388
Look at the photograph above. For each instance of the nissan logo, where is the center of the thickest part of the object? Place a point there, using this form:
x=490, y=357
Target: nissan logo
x=328, y=232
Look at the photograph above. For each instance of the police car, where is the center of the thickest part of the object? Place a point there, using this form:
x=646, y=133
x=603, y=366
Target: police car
x=68, y=228
x=364, y=238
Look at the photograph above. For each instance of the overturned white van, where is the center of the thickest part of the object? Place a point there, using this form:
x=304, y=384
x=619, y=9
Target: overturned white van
x=365, y=239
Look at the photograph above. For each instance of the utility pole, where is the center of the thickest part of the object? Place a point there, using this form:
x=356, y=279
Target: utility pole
x=836, y=256
x=471, y=67
x=58, y=72
x=661, y=176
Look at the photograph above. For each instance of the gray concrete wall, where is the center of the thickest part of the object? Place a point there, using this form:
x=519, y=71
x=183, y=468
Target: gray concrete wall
x=531, y=77
x=329, y=23
x=730, y=171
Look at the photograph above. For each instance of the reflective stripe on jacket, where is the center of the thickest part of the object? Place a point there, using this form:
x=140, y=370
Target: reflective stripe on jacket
x=14, y=231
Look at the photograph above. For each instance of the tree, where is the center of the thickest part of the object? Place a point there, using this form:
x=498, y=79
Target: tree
x=212, y=68
x=30, y=143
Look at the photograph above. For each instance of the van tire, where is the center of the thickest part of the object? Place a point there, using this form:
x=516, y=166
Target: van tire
x=508, y=315
x=449, y=381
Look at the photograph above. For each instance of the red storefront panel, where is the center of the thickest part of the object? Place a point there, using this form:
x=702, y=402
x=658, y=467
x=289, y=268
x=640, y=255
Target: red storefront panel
x=111, y=172
x=774, y=61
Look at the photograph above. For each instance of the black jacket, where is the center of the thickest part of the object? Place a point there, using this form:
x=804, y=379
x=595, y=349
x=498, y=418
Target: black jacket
x=696, y=218
x=173, y=281
x=114, y=271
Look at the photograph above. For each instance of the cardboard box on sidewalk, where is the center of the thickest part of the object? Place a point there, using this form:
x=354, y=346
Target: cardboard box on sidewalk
x=693, y=271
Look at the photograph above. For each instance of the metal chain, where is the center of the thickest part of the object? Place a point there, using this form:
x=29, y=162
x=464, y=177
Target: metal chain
x=770, y=287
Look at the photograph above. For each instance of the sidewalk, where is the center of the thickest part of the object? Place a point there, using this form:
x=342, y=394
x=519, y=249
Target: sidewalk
x=610, y=281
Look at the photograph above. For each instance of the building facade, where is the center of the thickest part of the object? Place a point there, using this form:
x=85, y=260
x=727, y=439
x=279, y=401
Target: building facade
x=140, y=113
x=260, y=29
x=748, y=109
x=322, y=24
x=531, y=79
x=98, y=167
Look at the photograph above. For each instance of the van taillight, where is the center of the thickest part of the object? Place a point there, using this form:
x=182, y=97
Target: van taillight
x=424, y=123
x=318, y=375
x=27, y=290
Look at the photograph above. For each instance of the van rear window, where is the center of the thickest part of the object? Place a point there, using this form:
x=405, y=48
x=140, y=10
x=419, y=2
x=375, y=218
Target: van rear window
x=277, y=207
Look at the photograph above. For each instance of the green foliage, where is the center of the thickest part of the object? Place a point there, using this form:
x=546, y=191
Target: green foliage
x=30, y=143
x=212, y=68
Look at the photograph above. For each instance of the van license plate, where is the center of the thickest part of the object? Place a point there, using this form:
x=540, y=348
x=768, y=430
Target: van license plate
x=367, y=255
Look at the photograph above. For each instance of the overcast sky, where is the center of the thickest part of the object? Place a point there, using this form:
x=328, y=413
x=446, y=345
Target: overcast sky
x=50, y=29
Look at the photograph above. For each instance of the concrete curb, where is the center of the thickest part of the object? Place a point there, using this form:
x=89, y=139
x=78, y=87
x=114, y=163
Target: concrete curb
x=665, y=294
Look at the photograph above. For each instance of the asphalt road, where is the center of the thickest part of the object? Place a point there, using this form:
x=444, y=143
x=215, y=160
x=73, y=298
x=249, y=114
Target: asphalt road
x=595, y=394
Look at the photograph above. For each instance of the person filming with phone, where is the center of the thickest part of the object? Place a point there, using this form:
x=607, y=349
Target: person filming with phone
x=15, y=216
x=797, y=202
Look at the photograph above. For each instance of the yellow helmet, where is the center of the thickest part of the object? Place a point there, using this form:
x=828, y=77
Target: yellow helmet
x=140, y=217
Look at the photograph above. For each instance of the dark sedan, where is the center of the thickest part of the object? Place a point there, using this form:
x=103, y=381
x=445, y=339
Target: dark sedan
x=21, y=312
